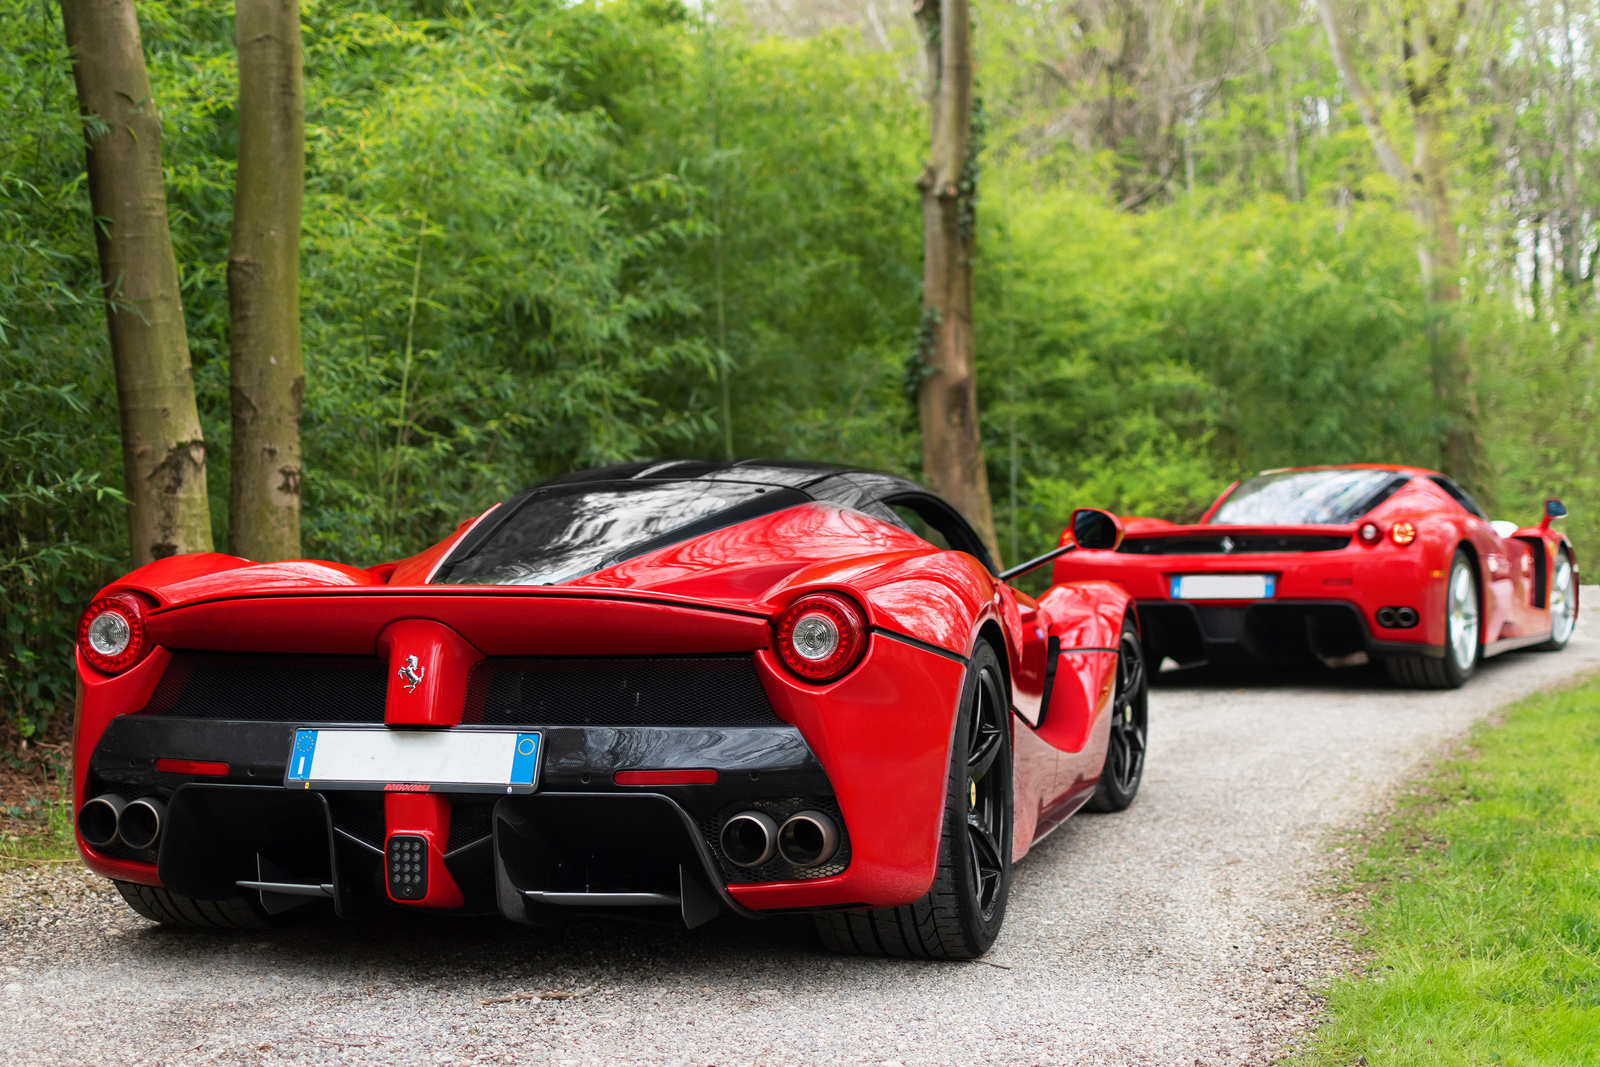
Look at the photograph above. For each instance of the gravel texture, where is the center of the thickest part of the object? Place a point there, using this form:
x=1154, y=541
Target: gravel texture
x=1187, y=930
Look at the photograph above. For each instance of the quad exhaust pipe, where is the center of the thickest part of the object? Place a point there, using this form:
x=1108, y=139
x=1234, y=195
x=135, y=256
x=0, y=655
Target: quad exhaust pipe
x=141, y=822
x=109, y=818
x=750, y=838
x=806, y=839
x=97, y=819
x=1397, y=618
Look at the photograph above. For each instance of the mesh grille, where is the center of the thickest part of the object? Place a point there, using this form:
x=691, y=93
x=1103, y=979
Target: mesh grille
x=780, y=808
x=619, y=691
x=225, y=685
x=1190, y=546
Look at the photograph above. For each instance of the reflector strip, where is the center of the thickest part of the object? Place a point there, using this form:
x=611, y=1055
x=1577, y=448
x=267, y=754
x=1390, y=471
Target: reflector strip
x=191, y=766
x=695, y=777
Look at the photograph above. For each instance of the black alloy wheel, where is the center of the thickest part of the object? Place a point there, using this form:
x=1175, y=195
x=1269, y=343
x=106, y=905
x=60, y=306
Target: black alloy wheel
x=988, y=795
x=960, y=916
x=1130, y=726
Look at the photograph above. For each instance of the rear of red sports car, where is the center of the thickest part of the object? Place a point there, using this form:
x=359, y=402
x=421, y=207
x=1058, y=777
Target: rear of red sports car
x=577, y=700
x=1341, y=565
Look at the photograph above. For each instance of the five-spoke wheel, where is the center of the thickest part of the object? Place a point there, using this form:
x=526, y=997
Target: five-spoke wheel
x=1130, y=725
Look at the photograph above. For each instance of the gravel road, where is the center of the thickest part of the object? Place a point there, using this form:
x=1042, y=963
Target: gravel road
x=1184, y=931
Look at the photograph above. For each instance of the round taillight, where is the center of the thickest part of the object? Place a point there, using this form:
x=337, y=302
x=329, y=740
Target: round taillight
x=1403, y=533
x=821, y=636
x=1369, y=533
x=111, y=634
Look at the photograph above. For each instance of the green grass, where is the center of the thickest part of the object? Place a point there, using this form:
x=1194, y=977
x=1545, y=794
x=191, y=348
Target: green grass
x=1482, y=920
x=38, y=831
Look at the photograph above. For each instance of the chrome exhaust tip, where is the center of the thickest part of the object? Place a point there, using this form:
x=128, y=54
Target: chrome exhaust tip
x=808, y=838
x=141, y=821
x=1405, y=617
x=750, y=838
x=1386, y=617
x=98, y=818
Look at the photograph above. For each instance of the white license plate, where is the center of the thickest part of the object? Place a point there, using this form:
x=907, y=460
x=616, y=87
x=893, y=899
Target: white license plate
x=472, y=761
x=1222, y=586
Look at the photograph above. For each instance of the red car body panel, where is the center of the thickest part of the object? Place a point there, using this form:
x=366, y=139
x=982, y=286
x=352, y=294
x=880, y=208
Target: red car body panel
x=1361, y=576
x=882, y=733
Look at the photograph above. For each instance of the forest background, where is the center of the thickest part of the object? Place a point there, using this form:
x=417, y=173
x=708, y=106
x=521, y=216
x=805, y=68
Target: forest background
x=558, y=234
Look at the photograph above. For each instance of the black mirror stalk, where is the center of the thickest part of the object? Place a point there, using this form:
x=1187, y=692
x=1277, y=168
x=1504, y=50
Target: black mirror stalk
x=1036, y=561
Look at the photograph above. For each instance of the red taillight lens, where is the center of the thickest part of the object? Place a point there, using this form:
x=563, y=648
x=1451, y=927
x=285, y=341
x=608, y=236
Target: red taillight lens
x=821, y=636
x=1369, y=533
x=1403, y=533
x=111, y=634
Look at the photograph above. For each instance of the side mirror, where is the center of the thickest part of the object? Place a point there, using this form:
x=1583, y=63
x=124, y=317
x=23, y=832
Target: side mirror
x=1555, y=509
x=1096, y=529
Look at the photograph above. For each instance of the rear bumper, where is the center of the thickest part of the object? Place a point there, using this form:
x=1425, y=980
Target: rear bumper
x=1334, y=632
x=582, y=839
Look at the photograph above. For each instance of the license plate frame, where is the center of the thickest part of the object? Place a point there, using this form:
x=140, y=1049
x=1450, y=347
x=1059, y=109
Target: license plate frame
x=1222, y=586
x=443, y=761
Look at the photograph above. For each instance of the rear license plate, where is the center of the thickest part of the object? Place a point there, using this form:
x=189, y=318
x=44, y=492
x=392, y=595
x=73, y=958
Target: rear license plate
x=463, y=761
x=1222, y=586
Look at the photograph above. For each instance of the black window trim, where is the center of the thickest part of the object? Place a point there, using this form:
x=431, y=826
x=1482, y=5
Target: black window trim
x=975, y=548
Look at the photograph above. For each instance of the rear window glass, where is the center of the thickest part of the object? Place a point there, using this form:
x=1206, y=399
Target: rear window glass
x=560, y=532
x=1312, y=497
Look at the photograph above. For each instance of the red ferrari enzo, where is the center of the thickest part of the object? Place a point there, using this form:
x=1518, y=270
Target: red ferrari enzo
x=755, y=687
x=1344, y=565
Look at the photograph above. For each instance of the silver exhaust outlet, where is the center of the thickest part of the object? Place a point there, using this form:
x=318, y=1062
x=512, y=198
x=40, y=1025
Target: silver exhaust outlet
x=141, y=821
x=808, y=839
x=750, y=838
x=98, y=818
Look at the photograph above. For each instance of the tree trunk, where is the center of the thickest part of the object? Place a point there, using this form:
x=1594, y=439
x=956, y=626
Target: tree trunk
x=267, y=376
x=163, y=451
x=947, y=397
x=1426, y=187
x=1460, y=447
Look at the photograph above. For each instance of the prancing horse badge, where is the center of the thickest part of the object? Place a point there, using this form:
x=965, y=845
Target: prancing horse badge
x=411, y=672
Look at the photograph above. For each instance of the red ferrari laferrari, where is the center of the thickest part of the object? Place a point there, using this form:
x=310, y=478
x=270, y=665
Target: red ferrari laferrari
x=1344, y=565
x=752, y=687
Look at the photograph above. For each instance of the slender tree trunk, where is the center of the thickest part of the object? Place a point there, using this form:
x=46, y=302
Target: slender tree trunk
x=1426, y=187
x=267, y=376
x=947, y=398
x=163, y=451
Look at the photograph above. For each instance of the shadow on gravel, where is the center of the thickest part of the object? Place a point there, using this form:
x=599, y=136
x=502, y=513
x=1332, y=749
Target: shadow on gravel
x=403, y=946
x=1365, y=678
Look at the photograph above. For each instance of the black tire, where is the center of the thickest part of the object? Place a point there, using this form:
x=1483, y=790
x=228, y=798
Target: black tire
x=168, y=908
x=1461, y=652
x=1130, y=726
x=960, y=917
x=1562, y=602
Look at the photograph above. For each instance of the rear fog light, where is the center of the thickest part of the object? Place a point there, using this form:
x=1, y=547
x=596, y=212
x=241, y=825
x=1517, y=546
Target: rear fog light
x=191, y=766
x=695, y=777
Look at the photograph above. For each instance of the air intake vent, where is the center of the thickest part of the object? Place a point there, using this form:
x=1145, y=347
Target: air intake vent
x=228, y=685
x=1223, y=544
x=619, y=691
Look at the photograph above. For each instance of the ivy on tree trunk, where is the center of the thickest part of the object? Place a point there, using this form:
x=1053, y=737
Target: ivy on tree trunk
x=947, y=394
